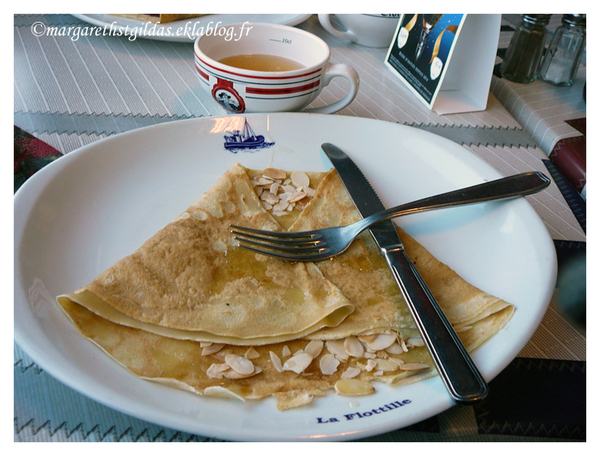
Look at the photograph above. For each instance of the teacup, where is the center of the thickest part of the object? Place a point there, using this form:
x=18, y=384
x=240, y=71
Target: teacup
x=371, y=30
x=247, y=68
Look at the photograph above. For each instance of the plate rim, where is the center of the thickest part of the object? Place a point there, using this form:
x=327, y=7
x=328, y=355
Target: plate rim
x=50, y=171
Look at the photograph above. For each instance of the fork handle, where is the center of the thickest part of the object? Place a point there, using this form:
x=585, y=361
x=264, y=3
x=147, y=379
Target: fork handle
x=506, y=187
x=455, y=367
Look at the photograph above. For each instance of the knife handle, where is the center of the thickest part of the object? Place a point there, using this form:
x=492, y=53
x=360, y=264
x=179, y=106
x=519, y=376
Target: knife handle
x=455, y=367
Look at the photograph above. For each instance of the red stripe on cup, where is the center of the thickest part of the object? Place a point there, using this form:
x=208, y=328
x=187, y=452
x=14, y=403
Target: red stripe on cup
x=201, y=72
x=256, y=77
x=259, y=91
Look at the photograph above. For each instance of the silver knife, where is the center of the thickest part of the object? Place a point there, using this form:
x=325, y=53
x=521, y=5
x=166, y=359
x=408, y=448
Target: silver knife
x=455, y=367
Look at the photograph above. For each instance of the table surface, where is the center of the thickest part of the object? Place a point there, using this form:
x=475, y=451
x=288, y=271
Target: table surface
x=69, y=93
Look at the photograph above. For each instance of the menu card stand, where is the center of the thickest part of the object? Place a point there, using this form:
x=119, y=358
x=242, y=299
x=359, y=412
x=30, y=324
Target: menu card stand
x=446, y=60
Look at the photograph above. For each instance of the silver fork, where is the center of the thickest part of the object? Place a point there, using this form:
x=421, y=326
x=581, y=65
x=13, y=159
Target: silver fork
x=325, y=243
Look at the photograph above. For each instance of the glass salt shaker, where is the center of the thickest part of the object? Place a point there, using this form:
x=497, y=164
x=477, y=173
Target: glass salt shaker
x=524, y=52
x=562, y=59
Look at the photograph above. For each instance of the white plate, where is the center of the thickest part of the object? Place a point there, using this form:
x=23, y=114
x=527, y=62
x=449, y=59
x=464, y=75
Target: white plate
x=186, y=30
x=83, y=212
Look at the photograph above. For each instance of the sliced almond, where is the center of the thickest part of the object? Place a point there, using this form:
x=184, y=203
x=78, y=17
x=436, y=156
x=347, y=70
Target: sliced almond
x=353, y=347
x=371, y=364
x=314, y=348
x=394, y=349
x=351, y=372
x=353, y=387
x=368, y=338
x=289, y=189
x=336, y=347
x=297, y=196
x=298, y=363
x=414, y=366
x=270, y=198
x=386, y=365
x=285, y=352
x=328, y=364
x=274, y=173
x=397, y=361
x=382, y=341
x=415, y=342
x=212, y=349
x=284, y=196
x=265, y=181
x=403, y=345
x=221, y=354
x=251, y=353
x=276, y=362
x=240, y=364
x=300, y=179
x=235, y=375
x=274, y=187
x=281, y=206
x=216, y=370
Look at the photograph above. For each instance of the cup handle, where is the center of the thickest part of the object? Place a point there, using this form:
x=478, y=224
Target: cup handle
x=346, y=72
x=325, y=20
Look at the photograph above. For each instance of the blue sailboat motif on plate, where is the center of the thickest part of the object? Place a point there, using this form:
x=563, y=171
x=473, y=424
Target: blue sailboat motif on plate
x=245, y=140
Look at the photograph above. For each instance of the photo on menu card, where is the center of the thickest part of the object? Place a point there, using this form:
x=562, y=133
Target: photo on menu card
x=421, y=50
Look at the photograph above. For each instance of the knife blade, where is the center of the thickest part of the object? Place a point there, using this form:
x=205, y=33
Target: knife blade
x=457, y=370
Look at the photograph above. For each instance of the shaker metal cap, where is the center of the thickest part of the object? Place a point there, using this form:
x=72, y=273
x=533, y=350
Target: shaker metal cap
x=537, y=19
x=578, y=20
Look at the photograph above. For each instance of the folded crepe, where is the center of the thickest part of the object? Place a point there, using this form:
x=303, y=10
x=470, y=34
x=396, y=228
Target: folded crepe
x=169, y=314
x=190, y=281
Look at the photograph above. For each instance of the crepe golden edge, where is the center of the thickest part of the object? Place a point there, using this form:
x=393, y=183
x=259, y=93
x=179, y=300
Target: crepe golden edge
x=181, y=363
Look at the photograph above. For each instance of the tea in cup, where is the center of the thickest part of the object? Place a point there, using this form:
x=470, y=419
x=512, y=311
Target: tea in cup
x=259, y=67
x=371, y=30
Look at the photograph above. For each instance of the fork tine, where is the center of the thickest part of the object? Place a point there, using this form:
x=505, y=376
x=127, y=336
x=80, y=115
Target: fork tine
x=300, y=248
x=283, y=255
x=266, y=239
x=244, y=230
